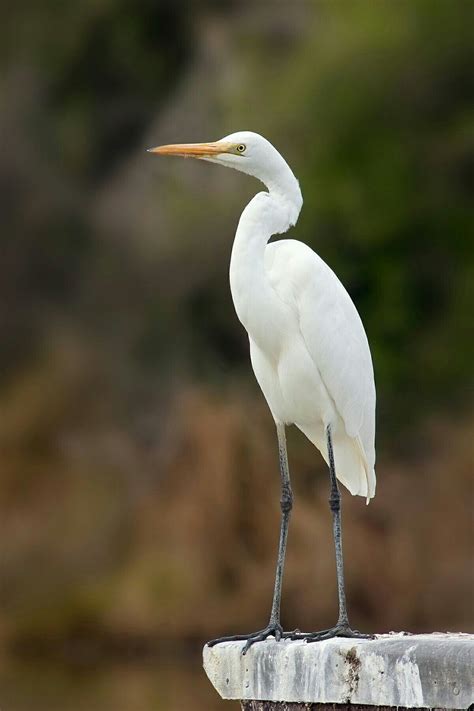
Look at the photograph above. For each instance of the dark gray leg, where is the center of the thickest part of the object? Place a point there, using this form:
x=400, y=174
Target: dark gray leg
x=286, y=502
x=342, y=628
x=335, y=506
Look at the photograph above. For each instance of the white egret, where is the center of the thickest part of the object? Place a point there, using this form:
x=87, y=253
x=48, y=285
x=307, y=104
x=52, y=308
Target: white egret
x=308, y=347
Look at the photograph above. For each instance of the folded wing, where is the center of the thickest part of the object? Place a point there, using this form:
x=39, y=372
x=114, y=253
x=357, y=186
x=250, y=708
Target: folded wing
x=335, y=338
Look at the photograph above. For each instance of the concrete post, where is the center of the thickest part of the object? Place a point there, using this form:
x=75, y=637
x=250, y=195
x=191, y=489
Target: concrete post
x=394, y=670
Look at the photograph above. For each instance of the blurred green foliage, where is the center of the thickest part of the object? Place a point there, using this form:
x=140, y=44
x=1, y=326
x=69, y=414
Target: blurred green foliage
x=387, y=149
x=373, y=110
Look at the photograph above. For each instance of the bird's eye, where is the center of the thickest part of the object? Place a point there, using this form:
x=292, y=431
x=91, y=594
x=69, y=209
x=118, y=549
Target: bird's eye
x=240, y=148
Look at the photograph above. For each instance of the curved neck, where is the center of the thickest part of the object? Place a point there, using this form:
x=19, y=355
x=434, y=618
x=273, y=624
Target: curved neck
x=270, y=213
x=267, y=214
x=285, y=192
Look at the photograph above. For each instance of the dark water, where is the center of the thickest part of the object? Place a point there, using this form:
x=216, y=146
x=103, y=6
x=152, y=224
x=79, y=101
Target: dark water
x=132, y=686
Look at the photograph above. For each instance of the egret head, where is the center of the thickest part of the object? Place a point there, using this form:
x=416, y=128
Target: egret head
x=245, y=151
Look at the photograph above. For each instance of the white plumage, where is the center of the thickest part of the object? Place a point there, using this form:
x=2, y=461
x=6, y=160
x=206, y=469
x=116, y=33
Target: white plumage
x=308, y=346
x=324, y=374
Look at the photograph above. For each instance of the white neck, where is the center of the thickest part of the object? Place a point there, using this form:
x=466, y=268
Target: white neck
x=267, y=214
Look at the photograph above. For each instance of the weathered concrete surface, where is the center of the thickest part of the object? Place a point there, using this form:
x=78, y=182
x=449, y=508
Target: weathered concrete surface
x=290, y=706
x=414, y=671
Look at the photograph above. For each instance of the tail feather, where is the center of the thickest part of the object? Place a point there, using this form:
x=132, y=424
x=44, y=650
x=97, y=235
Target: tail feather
x=369, y=472
x=352, y=468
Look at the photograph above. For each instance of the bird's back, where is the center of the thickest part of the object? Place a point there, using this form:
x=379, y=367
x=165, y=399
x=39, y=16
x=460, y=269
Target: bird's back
x=335, y=339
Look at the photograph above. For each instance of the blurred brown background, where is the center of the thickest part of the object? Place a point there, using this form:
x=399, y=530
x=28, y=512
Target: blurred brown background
x=139, y=480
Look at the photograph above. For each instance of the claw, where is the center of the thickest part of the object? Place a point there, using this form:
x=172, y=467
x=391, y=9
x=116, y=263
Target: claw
x=297, y=634
x=336, y=631
x=273, y=629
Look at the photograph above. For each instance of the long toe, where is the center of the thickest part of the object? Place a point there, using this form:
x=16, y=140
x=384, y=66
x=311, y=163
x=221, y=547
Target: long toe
x=230, y=638
x=338, y=631
x=297, y=634
x=272, y=630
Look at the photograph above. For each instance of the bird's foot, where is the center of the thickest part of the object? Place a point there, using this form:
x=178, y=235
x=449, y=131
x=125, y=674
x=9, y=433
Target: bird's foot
x=273, y=629
x=342, y=629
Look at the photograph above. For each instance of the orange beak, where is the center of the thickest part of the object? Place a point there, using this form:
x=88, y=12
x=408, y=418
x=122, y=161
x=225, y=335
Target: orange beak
x=192, y=150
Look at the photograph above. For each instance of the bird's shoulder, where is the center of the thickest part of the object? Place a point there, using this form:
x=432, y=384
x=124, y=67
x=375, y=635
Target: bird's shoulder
x=294, y=267
x=278, y=254
x=292, y=263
